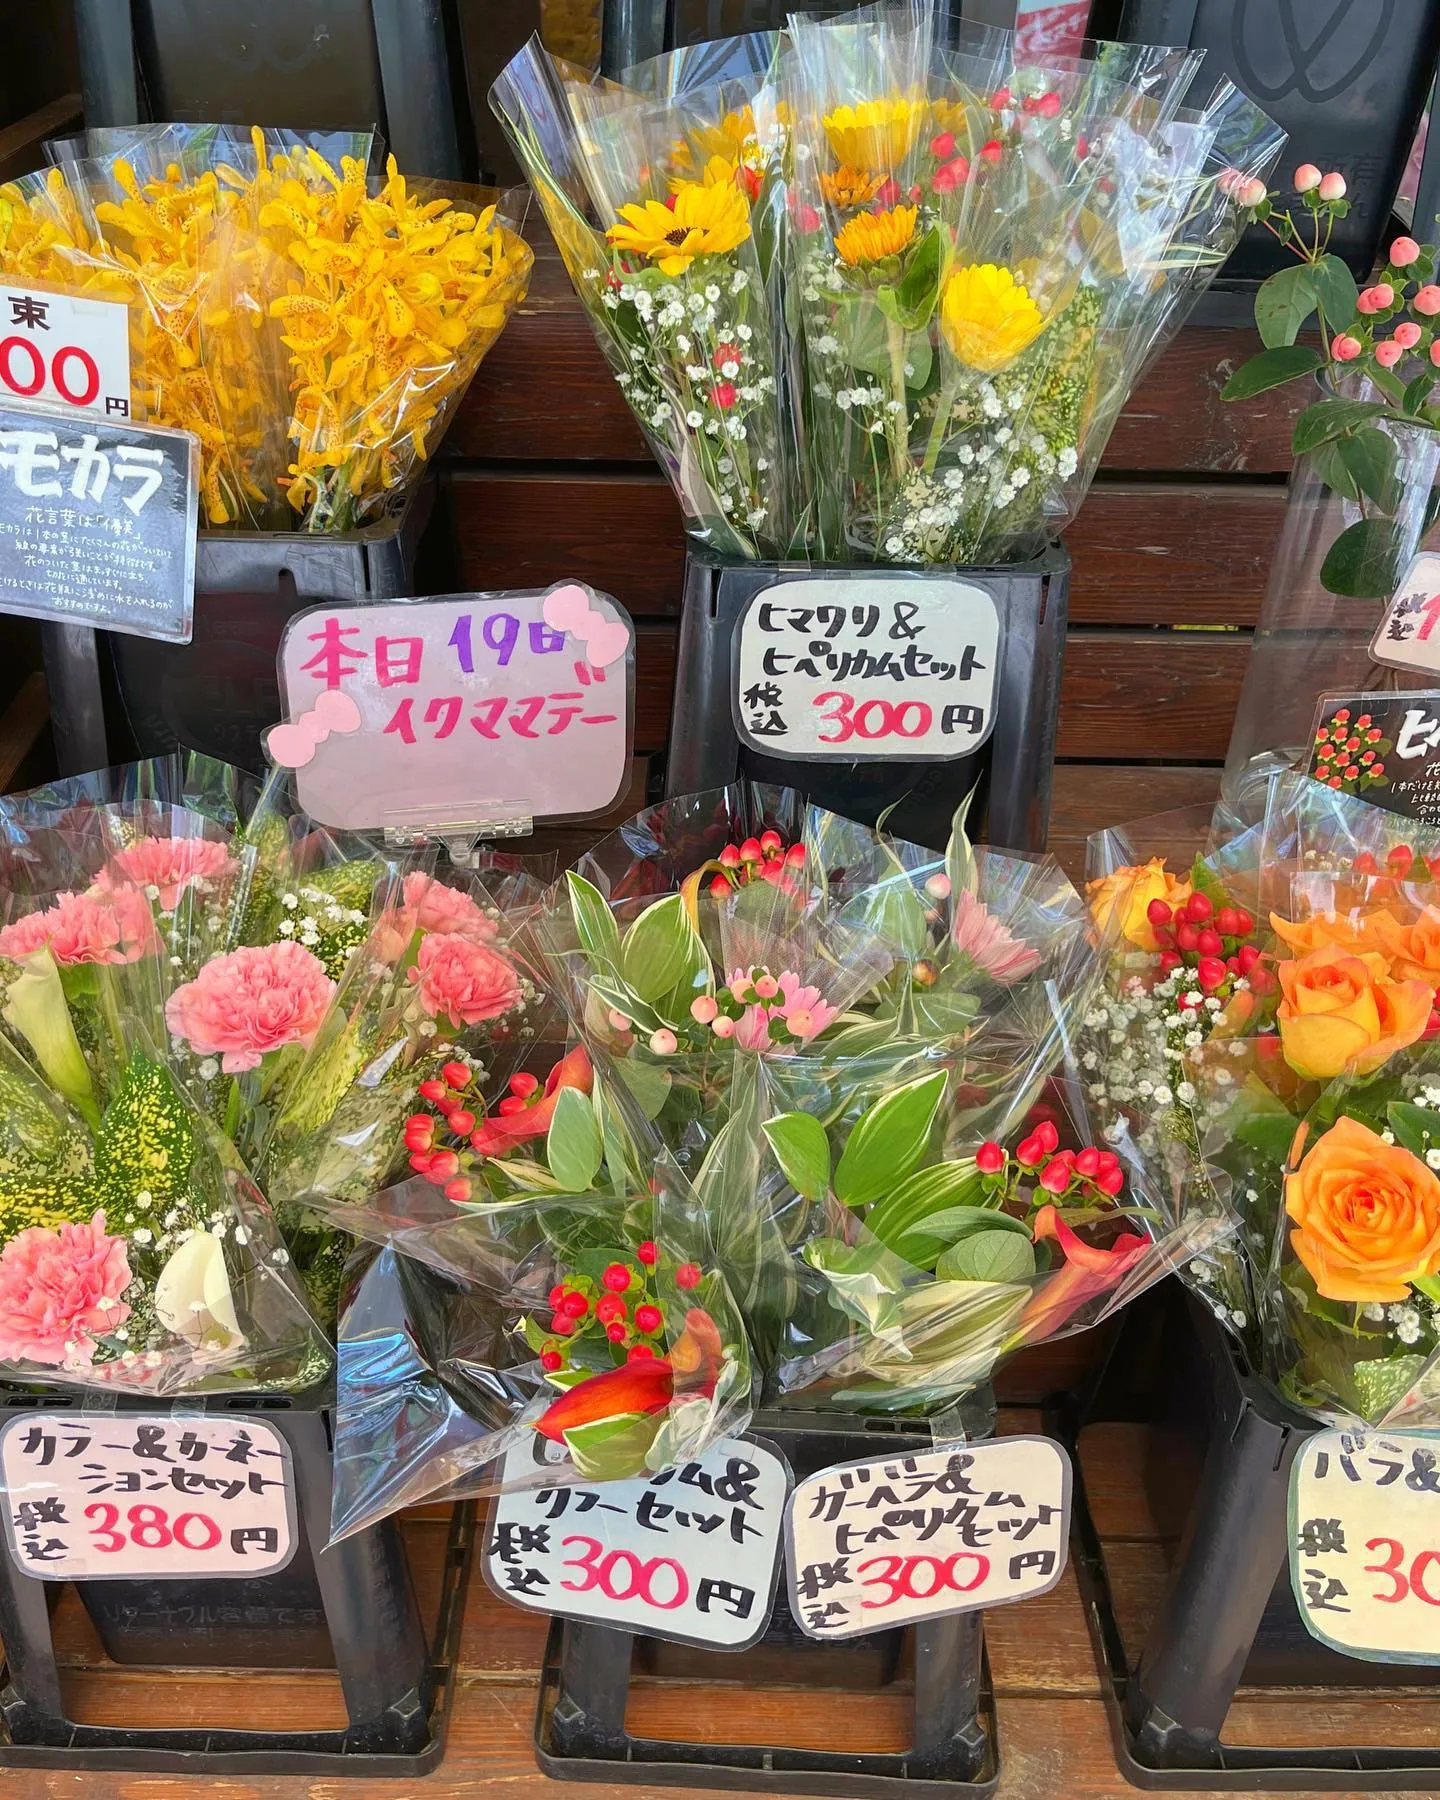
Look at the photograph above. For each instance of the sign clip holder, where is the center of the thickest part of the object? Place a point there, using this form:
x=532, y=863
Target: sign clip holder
x=462, y=838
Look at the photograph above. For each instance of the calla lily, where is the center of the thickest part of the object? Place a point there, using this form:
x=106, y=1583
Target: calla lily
x=642, y=1387
x=1088, y=1270
x=502, y=1131
x=193, y=1299
x=36, y=1007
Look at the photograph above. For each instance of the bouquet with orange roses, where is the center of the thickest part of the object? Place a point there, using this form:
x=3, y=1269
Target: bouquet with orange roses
x=1306, y=1098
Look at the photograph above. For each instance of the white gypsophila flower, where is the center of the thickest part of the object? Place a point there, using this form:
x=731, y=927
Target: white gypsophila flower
x=1185, y=1093
x=1387, y=1136
x=694, y=419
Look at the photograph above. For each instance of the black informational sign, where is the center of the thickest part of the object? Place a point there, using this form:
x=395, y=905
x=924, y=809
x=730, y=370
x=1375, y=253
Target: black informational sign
x=1383, y=747
x=97, y=523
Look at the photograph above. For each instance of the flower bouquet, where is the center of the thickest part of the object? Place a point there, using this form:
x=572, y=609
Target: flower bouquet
x=262, y=266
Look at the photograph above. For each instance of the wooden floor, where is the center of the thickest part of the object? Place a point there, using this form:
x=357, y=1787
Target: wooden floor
x=1054, y=1735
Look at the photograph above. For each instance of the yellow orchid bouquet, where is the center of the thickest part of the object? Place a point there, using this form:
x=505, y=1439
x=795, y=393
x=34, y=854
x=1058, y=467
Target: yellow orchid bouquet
x=310, y=323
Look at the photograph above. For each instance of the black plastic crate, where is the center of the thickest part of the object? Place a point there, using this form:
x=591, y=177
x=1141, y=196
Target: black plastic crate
x=1217, y=1476
x=1014, y=767
x=219, y=692
x=349, y=1606
x=580, y=1732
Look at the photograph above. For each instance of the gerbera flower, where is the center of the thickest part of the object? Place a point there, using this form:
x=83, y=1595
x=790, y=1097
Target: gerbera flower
x=988, y=317
x=876, y=134
x=849, y=187
x=869, y=237
x=703, y=221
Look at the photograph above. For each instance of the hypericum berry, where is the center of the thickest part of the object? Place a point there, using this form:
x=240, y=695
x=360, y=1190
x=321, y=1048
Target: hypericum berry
x=433, y=1091
x=750, y=851
x=616, y=1278
x=729, y=857
x=990, y=1158
x=457, y=1074
x=664, y=1041
x=1110, y=1181
x=1158, y=913
x=638, y=1353
x=1055, y=1176
x=1307, y=176
x=1028, y=1153
x=574, y=1305
x=609, y=1308
x=510, y=1106
x=1232, y=963
x=1210, y=943
x=444, y=1166
x=1244, y=924
x=420, y=1161
x=1186, y=936
x=1171, y=960
x=766, y=987
x=617, y=1333
x=462, y=1122
x=1247, y=956
x=942, y=146
x=1227, y=922
x=524, y=1084
x=557, y=1295
x=1087, y=1163
x=1047, y=1137
x=562, y=1324
x=705, y=1009
x=795, y=856
x=648, y=1318
x=687, y=1275
x=771, y=843
x=1210, y=972
x=647, y=1253
x=458, y=1190
x=618, y=1020
x=550, y=1360
x=1198, y=908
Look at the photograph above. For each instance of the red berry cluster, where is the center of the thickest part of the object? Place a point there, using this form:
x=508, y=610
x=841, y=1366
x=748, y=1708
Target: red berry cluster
x=1055, y=1171
x=758, y=859
x=1350, y=756
x=1399, y=865
x=429, y=1157
x=623, y=1306
x=1214, y=941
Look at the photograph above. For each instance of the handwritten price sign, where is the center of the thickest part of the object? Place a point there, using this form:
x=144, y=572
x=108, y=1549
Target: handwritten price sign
x=1409, y=634
x=863, y=669
x=691, y=1554
x=871, y=1545
x=65, y=352
x=474, y=706
x=1365, y=1542
x=125, y=1494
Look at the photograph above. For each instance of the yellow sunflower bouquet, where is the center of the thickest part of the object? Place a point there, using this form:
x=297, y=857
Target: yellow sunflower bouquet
x=313, y=322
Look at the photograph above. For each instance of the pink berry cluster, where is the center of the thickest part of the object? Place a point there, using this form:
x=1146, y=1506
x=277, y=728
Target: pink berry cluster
x=1087, y=1175
x=1194, y=934
x=763, y=858
x=623, y=1306
x=1404, y=298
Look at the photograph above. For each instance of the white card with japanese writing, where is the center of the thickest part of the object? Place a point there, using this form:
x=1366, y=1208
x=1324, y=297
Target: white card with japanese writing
x=690, y=1554
x=1408, y=636
x=498, y=708
x=867, y=668
x=1365, y=1542
x=899, y=1539
x=134, y=1494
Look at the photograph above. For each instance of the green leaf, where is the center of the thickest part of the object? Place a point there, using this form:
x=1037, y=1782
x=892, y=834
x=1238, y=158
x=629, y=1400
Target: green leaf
x=1416, y=1127
x=146, y=1142
x=574, y=1145
x=594, y=922
x=888, y=1140
x=1369, y=455
x=906, y=1210
x=802, y=1151
x=988, y=1256
x=1328, y=419
x=1285, y=301
x=612, y=1449
x=649, y=1085
x=911, y=301
x=1334, y=287
x=661, y=955
x=1417, y=392
x=1333, y=470
x=1271, y=369
x=1388, y=382
x=1429, y=1285
x=1270, y=1133
x=1363, y=562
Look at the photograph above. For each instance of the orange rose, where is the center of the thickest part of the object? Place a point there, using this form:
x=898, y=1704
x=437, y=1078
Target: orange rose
x=1413, y=950
x=1350, y=932
x=1119, y=902
x=1366, y=1214
x=1343, y=1012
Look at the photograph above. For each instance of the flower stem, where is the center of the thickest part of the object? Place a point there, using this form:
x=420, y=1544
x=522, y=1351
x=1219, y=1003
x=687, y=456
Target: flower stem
x=899, y=427
x=944, y=407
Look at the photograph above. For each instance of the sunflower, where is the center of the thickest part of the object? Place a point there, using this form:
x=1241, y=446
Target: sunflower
x=702, y=221
x=988, y=317
x=730, y=138
x=869, y=237
x=849, y=187
x=876, y=134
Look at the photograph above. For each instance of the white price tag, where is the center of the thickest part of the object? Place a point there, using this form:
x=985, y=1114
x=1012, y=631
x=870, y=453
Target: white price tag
x=134, y=1494
x=871, y=1545
x=64, y=352
x=867, y=668
x=691, y=1554
x=1365, y=1542
x=1409, y=633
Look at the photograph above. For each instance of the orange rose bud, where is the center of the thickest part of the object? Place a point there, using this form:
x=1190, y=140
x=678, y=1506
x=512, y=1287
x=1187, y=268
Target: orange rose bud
x=1413, y=950
x=1342, y=1012
x=1120, y=902
x=1366, y=1215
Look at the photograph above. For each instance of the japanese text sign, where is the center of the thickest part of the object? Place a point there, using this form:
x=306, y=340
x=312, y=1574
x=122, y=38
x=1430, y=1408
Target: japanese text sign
x=897, y=1539
x=1383, y=746
x=112, y=1494
x=867, y=667
x=689, y=1554
x=1409, y=633
x=466, y=708
x=65, y=352
x=97, y=523
x=1365, y=1542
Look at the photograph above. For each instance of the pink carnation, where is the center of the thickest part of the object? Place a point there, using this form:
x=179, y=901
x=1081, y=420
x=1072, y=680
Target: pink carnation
x=990, y=945
x=253, y=1000
x=170, y=864
x=462, y=981
x=98, y=927
x=58, y=1288
x=428, y=905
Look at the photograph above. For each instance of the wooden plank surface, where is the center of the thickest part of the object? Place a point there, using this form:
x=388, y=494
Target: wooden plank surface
x=1090, y=796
